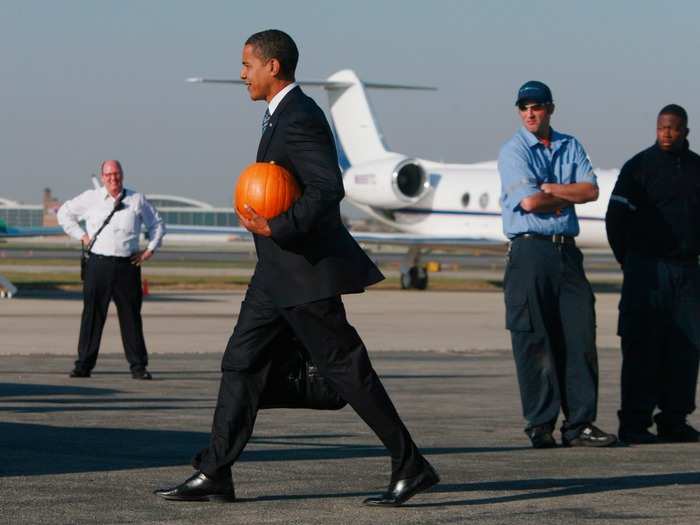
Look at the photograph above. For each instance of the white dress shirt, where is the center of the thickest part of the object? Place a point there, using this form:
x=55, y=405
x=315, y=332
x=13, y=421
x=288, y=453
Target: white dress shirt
x=121, y=235
x=272, y=106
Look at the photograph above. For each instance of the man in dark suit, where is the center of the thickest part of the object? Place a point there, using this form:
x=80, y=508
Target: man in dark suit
x=306, y=261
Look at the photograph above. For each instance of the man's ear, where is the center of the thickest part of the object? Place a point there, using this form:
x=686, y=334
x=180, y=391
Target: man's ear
x=687, y=130
x=551, y=108
x=274, y=67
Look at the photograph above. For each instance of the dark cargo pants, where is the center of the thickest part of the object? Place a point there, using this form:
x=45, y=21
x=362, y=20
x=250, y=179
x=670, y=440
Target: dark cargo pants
x=551, y=317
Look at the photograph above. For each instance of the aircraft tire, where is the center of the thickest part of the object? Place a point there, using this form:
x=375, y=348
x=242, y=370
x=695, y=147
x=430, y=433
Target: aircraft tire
x=419, y=277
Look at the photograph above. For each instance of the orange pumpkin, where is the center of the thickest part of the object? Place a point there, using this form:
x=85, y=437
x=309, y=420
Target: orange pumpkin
x=267, y=188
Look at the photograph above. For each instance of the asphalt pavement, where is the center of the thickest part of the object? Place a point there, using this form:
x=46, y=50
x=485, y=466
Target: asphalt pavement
x=84, y=451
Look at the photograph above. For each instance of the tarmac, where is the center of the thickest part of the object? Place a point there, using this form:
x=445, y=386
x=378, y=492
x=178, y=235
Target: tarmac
x=83, y=451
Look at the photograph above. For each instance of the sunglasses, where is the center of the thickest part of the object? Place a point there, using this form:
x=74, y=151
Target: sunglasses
x=533, y=107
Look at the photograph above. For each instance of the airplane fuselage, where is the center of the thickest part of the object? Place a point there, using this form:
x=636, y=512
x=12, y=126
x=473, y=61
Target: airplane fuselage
x=463, y=200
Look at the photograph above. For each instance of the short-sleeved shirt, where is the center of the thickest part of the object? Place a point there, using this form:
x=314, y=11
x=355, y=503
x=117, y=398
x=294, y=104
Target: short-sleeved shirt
x=524, y=163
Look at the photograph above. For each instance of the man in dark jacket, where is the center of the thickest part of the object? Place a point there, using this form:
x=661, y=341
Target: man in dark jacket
x=306, y=260
x=653, y=225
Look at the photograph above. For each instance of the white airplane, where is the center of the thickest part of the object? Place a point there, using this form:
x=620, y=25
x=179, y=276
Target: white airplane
x=432, y=204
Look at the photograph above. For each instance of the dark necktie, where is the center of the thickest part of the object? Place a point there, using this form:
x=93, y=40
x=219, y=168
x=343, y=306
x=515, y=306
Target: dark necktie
x=266, y=120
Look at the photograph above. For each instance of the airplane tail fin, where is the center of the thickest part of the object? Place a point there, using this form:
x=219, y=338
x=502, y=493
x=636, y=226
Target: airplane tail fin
x=357, y=133
x=358, y=136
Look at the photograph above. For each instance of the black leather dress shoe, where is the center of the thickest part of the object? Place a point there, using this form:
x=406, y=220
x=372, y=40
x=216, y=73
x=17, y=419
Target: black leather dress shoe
x=201, y=488
x=400, y=491
x=141, y=373
x=637, y=436
x=79, y=372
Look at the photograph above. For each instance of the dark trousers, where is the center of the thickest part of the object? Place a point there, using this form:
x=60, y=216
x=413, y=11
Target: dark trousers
x=551, y=317
x=659, y=326
x=335, y=348
x=108, y=278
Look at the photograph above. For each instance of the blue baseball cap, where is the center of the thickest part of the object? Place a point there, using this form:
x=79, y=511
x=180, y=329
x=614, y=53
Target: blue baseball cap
x=534, y=90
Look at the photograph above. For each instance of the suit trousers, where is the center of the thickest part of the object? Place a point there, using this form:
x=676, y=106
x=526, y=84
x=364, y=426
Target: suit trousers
x=659, y=326
x=108, y=278
x=551, y=317
x=341, y=358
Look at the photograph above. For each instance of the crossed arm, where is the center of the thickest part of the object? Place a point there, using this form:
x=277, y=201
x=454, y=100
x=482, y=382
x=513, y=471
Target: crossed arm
x=552, y=197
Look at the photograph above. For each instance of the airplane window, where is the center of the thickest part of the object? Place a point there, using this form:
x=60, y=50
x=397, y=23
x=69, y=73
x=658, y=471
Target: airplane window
x=465, y=200
x=484, y=200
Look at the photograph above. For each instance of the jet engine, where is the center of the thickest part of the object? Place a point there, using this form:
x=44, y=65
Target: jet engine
x=390, y=183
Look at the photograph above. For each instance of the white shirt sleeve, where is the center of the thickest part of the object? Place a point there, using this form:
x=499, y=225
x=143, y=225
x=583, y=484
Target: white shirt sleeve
x=73, y=211
x=154, y=225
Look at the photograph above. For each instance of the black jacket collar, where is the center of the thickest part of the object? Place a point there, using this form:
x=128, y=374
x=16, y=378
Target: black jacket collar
x=267, y=135
x=682, y=152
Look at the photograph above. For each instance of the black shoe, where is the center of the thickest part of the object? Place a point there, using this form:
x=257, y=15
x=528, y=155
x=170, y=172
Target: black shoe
x=201, y=488
x=141, y=373
x=590, y=436
x=79, y=372
x=682, y=433
x=400, y=491
x=637, y=437
x=541, y=437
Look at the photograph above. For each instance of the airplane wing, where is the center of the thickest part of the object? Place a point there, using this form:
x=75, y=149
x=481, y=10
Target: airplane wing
x=225, y=231
x=409, y=239
x=38, y=231
x=397, y=239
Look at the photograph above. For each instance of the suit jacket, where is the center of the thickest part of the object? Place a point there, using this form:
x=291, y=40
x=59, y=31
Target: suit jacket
x=310, y=255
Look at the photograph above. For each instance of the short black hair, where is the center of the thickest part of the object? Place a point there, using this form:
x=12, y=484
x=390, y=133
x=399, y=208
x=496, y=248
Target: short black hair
x=273, y=43
x=675, y=109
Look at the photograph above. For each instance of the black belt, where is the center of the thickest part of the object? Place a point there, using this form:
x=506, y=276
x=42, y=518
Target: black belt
x=556, y=239
x=110, y=257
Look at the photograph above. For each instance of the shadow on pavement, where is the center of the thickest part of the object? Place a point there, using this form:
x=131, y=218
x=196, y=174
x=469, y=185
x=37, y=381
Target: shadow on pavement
x=536, y=489
x=25, y=389
x=598, y=287
x=31, y=449
x=559, y=487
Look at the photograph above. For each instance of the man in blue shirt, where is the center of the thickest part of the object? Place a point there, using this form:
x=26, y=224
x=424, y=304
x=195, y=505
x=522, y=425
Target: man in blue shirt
x=549, y=302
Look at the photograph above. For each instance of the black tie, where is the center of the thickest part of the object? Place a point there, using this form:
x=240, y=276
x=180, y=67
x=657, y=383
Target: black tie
x=266, y=120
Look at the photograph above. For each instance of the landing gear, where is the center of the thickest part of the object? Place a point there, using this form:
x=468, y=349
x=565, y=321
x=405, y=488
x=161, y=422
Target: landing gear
x=416, y=277
x=413, y=274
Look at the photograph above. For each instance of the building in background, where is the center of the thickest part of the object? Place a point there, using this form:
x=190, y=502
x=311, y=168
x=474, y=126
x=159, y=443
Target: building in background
x=183, y=211
x=20, y=215
x=174, y=210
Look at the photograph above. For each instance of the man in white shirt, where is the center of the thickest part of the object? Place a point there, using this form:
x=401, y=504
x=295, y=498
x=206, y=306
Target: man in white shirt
x=113, y=268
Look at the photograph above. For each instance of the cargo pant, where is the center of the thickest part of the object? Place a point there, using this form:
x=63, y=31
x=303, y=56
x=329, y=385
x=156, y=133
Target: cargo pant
x=551, y=317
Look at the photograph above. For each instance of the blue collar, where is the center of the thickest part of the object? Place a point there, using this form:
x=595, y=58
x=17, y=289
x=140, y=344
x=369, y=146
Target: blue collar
x=556, y=139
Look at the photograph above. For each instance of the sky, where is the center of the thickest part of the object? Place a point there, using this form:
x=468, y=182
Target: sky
x=84, y=80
